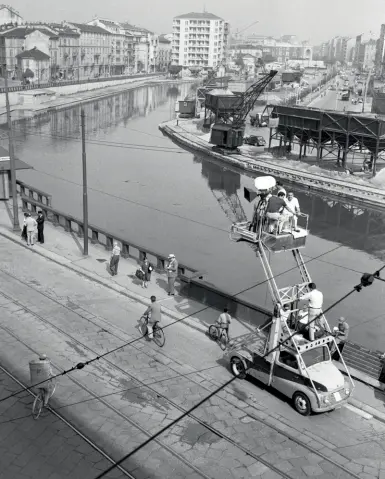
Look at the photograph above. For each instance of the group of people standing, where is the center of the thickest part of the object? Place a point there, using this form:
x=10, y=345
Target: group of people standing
x=31, y=226
x=279, y=210
x=146, y=268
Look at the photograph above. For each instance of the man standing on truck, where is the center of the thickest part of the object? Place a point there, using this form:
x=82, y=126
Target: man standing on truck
x=315, y=300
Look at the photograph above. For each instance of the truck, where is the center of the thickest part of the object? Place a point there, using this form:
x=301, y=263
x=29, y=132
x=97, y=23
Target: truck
x=282, y=353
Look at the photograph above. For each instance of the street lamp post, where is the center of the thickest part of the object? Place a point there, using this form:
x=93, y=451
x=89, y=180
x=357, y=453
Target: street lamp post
x=16, y=225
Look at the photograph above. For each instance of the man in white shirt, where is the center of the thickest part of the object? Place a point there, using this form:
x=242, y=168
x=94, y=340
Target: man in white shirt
x=315, y=300
x=30, y=224
x=224, y=322
x=293, y=203
x=115, y=257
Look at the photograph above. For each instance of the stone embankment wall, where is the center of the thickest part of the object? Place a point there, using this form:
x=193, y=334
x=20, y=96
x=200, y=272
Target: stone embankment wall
x=16, y=97
x=366, y=194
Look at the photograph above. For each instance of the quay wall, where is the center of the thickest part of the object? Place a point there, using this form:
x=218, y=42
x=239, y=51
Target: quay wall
x=341, y=188
x=70, y=88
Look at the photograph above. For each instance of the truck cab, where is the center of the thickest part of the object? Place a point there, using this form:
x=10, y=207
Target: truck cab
x=302, y=370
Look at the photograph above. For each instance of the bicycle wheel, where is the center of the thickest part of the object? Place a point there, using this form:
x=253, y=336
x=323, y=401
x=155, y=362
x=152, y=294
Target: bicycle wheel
x=38, y=404
x=159, y=337
x=143, y=326
x=213, y=332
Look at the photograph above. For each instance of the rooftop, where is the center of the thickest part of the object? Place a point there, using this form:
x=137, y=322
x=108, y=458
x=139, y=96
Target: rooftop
x=90, y=28
x=163, y=39
x=128, y=26
x=197, y=16
x=35, y=53
x=22, y=32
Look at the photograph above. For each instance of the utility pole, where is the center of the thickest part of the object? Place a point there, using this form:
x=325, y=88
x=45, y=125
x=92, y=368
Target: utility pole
x=16, y=225
x=85, y=197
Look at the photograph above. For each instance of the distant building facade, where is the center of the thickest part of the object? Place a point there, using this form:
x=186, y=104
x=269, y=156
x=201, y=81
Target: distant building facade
x=164, y=53
x=9, y=15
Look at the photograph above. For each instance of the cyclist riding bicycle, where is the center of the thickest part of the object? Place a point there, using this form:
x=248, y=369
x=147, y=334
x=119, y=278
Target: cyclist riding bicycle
x=223, y=323
x=41, y=370
x=154, y=315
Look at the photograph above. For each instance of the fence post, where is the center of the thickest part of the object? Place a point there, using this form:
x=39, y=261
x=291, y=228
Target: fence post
x=125, y=250
x=94, y=237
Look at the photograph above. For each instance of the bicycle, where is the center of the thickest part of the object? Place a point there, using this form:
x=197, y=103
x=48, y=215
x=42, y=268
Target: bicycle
x=157, y=331
x=219, y=334
x=41, y=400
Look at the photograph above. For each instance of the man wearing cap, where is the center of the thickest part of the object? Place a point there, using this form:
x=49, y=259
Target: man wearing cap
x=172, y=272
x=342, y=333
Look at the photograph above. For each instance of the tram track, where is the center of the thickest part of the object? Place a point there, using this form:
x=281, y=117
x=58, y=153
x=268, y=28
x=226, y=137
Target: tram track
x=71, y=426
x=142, y=384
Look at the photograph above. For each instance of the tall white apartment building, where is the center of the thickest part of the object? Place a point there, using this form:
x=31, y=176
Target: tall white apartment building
x=199, y=40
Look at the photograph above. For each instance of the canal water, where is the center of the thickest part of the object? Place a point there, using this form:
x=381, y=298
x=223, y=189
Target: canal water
x=145, y=188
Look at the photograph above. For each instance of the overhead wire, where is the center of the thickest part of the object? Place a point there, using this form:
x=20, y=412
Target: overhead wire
x=81, y=365
x=188, y=412
x=111, y=144
x=120, y=391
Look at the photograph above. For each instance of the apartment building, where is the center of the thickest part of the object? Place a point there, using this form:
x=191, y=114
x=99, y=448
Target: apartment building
x=144, y=48
x=121, y=44
x=19, y=39
x=95, y=53
x=199, y=40
x=280, y=51
x=164, y=53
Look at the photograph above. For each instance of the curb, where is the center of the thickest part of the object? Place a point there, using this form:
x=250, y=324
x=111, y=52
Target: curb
x=380, y=416
x=195, y=324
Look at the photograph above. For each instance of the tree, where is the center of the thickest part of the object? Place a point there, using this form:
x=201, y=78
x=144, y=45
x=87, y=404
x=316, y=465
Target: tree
x=28, y=73
x=269, y=58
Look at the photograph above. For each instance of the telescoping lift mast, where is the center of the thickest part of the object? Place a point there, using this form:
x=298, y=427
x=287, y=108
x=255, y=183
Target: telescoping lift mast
x=286, y=321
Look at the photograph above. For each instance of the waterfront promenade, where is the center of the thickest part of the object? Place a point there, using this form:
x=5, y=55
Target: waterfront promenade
x=54, y=300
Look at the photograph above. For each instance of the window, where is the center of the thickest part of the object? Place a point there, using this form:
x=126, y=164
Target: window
x=316, y=355
x=288, y=359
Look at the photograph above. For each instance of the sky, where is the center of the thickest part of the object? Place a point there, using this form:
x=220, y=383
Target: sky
x=313, y=20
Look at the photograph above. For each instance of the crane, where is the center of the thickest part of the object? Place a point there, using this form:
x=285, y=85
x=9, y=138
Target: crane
x=227, y=135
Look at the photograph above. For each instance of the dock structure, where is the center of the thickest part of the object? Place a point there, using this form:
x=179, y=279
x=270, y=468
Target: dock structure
x=332, y=134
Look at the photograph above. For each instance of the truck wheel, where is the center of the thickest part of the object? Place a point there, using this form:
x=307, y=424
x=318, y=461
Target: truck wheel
x=238, y=368
x=302, y=404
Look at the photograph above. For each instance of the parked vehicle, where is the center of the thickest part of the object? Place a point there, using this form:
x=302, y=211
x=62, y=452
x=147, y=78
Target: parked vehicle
x=305, y=373
x=254, y=140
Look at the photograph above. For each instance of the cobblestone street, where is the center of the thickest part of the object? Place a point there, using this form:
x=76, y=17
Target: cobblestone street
x=118, y=402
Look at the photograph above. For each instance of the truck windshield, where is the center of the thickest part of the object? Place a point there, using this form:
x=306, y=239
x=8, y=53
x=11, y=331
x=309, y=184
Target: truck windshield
x=316, y=355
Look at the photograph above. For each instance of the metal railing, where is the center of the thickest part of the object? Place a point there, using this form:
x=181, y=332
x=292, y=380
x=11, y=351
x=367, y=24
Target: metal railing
x=33, y=193
x=98, y=235
x=192, y=283
x=51, y=84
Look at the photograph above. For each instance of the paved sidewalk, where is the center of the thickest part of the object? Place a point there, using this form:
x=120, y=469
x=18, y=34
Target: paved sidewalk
x=67, y=249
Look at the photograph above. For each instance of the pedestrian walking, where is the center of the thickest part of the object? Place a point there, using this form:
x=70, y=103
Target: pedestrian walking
x=24, y=230
x=172, y=272
x=147, y=270
x=115, y=257
x=30, y=224
x=40, y=227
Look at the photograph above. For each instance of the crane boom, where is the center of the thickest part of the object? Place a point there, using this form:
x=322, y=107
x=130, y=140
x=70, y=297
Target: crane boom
x=249, y=98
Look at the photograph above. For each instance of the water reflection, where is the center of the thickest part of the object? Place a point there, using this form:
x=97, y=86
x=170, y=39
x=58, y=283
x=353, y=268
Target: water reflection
x=329, y=218
x=102, y=115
